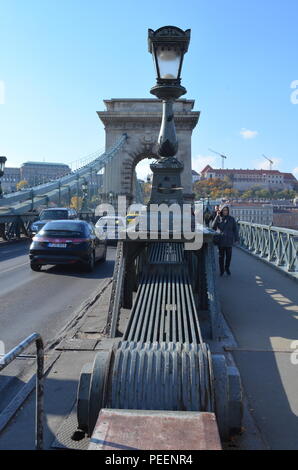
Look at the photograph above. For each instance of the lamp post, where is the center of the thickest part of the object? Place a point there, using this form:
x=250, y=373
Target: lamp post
x=167, y=46
x=2, y=165
x=78, y=186
x=111, y=197
x=91, y=183
x=69, y=192
x=85, y=196
x=59, y=193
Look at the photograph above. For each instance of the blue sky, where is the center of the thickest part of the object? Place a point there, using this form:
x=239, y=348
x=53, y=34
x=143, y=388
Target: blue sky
x=60, y=58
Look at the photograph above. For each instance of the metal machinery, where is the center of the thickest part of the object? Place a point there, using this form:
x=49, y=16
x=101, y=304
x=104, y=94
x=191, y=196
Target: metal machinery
x=167, y=358
x=163, y=361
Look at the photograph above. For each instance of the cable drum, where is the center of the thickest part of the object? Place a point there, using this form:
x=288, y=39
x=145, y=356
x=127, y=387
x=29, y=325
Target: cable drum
x=160, y=376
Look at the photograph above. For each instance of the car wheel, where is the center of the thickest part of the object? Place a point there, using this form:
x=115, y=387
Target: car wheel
x=35, y=267
x=89, y=266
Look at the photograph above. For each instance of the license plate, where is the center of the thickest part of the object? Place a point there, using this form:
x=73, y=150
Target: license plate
x=57, y=245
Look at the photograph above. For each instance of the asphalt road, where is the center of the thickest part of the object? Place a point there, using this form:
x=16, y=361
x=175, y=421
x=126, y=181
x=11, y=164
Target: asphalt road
x=42, y=302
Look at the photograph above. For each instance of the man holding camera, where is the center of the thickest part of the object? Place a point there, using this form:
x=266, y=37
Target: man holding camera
x=228, y=235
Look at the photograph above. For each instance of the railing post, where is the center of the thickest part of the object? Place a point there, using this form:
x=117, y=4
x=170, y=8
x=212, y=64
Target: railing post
x=280, y=261
x=39, y=406
x=258, y=235
x=270, y=244
x=250, y=238
x=290, y=257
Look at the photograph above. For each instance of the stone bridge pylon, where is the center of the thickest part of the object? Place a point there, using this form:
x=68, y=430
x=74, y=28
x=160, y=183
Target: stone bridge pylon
x=140, y=119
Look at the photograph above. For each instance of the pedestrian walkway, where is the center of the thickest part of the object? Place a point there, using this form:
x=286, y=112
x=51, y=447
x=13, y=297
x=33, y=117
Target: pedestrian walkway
x=260, y=305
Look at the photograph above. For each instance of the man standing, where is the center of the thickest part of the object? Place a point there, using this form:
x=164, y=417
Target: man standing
x=227, y=226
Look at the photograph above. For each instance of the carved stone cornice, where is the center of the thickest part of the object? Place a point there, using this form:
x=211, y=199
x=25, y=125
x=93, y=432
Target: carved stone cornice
x=141, y=120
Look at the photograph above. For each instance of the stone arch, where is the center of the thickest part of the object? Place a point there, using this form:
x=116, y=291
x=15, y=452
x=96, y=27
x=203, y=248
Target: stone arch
x=144, y=151
x=140, y=119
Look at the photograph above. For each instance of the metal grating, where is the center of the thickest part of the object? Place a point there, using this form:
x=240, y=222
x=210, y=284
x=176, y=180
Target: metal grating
x=164, y=309
x=166, y=253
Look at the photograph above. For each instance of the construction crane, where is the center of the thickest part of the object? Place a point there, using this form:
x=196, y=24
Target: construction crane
x=224, y=157
x=269, y=160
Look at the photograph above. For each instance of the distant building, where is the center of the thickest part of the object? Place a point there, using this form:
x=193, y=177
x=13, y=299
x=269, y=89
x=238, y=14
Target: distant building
x=41, y=172
x=195, y=176
x=284, y=203
x=286, y=218
x=10, y=179
x=252, y=212
x=246, y=179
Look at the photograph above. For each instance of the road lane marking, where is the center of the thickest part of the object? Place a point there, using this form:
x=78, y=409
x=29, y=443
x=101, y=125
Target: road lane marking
x=14, y=267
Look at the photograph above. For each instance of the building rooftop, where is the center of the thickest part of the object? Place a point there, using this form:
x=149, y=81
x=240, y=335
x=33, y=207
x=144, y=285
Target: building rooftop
x=254, y=171
x=250, y=204
x=44, y=163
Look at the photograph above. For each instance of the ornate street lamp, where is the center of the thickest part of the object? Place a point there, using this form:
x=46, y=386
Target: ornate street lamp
x=168, y=46
x=2, y=165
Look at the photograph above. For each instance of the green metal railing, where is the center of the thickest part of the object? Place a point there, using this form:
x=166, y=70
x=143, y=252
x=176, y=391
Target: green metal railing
x=276, y=245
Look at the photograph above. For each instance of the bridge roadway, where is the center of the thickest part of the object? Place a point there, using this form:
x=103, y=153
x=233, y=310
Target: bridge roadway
x=261, y=306
x=43, y=302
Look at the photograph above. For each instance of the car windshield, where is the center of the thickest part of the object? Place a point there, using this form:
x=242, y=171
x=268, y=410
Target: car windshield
x=64, y=229
x=54, y=215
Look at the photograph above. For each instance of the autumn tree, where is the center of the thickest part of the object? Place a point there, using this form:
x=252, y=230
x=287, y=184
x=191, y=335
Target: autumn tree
x=76, y=202
x=22, y=184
